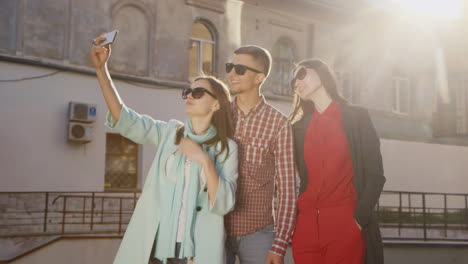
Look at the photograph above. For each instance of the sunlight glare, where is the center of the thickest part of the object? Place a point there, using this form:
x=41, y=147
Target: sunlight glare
x=450, y=9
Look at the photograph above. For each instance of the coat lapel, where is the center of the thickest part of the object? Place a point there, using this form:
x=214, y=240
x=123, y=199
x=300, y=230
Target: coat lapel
x=299, y=130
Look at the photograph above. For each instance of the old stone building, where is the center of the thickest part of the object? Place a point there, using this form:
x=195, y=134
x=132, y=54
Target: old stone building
x=408, y=70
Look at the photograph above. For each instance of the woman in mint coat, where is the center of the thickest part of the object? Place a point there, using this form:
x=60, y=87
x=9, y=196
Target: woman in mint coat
x=191, y=184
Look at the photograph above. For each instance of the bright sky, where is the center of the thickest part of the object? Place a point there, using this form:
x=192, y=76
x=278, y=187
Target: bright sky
x=450, y=9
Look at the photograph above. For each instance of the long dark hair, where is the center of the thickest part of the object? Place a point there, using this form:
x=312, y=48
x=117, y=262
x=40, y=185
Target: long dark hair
x=327, y=77
x=222, y=118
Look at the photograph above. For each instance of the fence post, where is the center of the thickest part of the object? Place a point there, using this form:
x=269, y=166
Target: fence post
x=445, y=214
x=134, y=200
x=92, y=211
x=102, y=210
x=84, y=210
x=424, y=216
x=399, y=214
x=63, y=213
x=46, y=210
x=466, y=210
x=410, y=206
x=120, y=215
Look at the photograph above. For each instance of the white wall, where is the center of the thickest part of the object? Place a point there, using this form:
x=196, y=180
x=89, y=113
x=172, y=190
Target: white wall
x=414, y=166
x=34, y=152
x=419, y=167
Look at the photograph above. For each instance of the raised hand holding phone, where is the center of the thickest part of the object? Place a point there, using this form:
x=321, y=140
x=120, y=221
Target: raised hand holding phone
x=101, y=49
x=109, y=38
x=100, y=55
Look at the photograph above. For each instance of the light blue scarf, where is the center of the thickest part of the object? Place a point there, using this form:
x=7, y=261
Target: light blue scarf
x=174, y=193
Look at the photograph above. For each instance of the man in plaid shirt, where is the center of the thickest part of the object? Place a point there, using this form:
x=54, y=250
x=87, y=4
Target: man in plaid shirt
x=257, y=233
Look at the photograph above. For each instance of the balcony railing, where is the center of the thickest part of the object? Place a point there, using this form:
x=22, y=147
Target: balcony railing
x=402, y=215
x=56, y=213
x=423, y=216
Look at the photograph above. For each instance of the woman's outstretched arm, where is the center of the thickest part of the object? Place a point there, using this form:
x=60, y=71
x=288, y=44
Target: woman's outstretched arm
x=100, y=56
x=141, y=129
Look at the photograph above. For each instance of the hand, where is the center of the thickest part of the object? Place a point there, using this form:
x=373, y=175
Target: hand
x=192, y=150
x=273, y=258
x=100, y=55
x=360, y=228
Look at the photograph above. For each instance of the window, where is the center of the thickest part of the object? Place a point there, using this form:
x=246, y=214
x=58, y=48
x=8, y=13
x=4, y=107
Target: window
x=401, y=95
x=462, y=107
x=349, y=84
x=121, y=164
x=128, y=17
x=201, y=50
x=283, y=64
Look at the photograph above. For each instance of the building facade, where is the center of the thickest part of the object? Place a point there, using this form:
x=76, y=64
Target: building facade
x=410, y=74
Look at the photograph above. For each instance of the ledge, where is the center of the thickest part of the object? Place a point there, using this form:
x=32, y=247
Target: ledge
x=158, y=83
x=420, y=243
x=213, y=5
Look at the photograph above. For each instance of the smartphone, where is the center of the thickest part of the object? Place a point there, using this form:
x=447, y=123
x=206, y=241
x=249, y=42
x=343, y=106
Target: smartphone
x=110, y=37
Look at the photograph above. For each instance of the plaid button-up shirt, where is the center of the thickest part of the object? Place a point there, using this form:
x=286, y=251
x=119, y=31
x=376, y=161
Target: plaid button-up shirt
x=266, y=164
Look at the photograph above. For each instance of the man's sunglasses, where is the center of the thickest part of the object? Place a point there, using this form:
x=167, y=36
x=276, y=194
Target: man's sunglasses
x=197, y=93
x=239, y=68
x=300, y=75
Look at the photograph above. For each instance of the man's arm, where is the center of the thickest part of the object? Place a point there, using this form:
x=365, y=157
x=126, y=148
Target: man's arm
x=285, y=182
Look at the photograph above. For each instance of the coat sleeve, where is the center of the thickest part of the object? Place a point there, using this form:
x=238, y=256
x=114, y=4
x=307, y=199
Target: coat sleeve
x=141, y=129
x=227, y=170
x=374, y=178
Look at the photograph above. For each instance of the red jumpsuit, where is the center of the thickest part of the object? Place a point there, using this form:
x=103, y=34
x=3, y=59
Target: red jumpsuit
x=326, y=231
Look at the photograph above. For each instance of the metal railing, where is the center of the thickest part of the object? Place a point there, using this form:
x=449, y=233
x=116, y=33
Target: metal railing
x=423, y=215
x=56, y=213
x=402, y=215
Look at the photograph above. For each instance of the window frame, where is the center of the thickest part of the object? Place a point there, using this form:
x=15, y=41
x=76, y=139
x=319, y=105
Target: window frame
x=210, y=27
x=136, y=155
x=354, y=85
x=461, y=107
x=396, y=94
x=278, y=65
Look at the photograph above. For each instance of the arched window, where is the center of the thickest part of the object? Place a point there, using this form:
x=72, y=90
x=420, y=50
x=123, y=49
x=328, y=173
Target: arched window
x=131, y=50
x=201, y=49
x=283, y=63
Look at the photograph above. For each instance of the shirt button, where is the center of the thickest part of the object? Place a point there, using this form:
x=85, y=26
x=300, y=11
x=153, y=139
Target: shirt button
x=206, y=189
x=198, y=208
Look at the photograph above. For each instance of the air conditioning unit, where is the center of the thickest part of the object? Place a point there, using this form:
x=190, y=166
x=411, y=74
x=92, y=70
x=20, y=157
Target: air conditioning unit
x=82, y=112
x=80, y=132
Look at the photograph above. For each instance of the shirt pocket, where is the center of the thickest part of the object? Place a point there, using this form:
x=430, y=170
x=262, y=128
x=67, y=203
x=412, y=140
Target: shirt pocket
x=256, y=151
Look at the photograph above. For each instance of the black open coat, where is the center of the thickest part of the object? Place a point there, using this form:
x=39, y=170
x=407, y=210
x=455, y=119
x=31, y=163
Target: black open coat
x=364, y=146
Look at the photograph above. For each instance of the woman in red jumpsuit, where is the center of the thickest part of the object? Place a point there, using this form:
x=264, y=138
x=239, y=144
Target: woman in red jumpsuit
x=340, y=166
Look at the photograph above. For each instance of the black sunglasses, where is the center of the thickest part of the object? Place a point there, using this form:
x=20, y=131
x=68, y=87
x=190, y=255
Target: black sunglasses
x=239, y=68
x=197, y=93
x=300, y=75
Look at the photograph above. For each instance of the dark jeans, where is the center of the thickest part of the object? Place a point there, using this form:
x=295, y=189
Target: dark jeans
x=154, y=260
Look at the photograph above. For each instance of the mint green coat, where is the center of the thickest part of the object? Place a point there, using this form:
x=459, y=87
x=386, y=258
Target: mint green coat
x=209, y=234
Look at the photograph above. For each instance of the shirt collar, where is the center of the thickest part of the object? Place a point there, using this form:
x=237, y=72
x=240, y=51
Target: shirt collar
x=256, y=109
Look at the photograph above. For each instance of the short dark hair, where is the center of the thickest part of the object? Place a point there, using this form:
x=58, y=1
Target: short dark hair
x=259, y=54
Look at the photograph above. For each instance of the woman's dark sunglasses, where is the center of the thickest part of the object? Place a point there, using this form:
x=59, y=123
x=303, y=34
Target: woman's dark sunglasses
x=300, y=75
x=239, y=68
x=197, y=93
